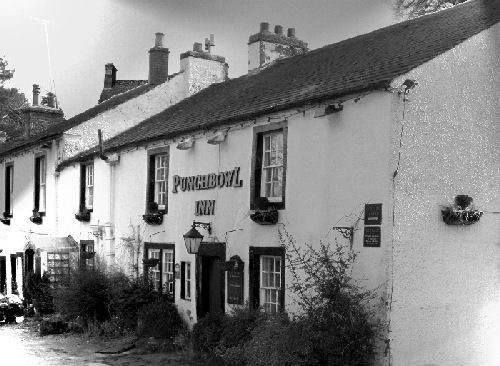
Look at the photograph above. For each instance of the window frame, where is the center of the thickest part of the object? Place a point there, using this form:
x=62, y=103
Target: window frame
x=162, y=248
x=263, y=288
x=256, y=178
x=152, y=154
x=60, y=278
x=9, y=190
x=255, y=255
x=38, y=174
x=83, y=186
x=85, y=245
x=186, y=281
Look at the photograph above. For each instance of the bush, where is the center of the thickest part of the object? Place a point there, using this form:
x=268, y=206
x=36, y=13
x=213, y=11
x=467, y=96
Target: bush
x=39, y=293
x=343, y=326
x=127, y=296
x=277, y=341
x=86, y=296
x=207, y=333
x=159, y=319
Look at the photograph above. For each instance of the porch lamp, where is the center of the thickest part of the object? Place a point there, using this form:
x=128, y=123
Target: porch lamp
x=193, y=238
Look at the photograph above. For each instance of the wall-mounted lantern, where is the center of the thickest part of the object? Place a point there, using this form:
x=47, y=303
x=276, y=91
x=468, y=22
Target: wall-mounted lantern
x=193, y=238
x=97, y=231
x=186, y=144
x=217, y=138
x=36, y=218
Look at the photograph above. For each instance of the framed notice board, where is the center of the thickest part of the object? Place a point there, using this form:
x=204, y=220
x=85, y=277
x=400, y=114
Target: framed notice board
x=371, y=236
x=235, y=282
x=373, y=214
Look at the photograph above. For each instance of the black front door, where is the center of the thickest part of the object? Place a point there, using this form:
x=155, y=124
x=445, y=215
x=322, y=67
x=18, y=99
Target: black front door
x=212, y=285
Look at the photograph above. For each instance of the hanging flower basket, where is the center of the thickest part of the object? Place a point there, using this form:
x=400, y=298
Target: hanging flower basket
x=266, y=213
x=150, y=262
x=36, y=218
x=153, y=218
x=461, y=212
x=83, y=215
x=265, y=217
x=5, y=219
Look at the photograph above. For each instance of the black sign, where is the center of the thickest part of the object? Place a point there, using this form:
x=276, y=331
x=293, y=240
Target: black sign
x=235, y=281
x=373, y=214
x=372, y=236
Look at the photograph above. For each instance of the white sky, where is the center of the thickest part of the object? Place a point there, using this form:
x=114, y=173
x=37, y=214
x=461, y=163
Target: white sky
x=84, y=35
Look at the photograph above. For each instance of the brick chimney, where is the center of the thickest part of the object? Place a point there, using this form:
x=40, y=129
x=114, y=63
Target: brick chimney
x=158, y=61
x=202, y=68
x=36, y=93
x=109, y=75
x=266, y=47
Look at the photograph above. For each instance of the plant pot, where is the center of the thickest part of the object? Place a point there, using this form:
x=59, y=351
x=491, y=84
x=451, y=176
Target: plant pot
x=265, y=217
x=452, y=216
x=153, y=218
x=150, y=262
x=83, y=215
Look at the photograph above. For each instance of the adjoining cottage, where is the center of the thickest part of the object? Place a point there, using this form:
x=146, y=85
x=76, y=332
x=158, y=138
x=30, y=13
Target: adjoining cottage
x=386, y=142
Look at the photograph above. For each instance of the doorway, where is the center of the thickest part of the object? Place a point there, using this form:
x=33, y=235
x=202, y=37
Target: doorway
x=210, y=278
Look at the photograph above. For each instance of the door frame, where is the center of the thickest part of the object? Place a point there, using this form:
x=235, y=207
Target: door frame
x=218, y=251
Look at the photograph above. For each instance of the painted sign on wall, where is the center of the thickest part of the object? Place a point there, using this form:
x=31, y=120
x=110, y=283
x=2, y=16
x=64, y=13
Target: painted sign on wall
x=204, y=207
x=229, y=178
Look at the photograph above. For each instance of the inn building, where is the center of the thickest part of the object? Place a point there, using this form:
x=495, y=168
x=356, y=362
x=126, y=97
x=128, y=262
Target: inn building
x=386, y=143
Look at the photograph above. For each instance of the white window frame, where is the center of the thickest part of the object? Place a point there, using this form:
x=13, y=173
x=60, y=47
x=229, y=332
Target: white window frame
x=272, y=171
x=273, y=286
x=155, y=271
x=42, y=179
x=89, y=186
x=160, y=180
x=187, y=280
x=167, y=273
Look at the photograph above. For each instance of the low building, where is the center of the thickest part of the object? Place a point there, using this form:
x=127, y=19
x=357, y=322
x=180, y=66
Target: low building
x=385, y=143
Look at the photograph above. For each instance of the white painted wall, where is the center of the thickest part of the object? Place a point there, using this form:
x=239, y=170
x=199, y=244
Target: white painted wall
x=446, y=301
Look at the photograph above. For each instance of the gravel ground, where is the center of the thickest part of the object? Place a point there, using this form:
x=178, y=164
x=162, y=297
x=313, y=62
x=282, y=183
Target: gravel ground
x=20, y=345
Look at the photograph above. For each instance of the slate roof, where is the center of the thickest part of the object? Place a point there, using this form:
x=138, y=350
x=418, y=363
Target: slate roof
x=58, y=129
x=362, y=63
x=120, y=86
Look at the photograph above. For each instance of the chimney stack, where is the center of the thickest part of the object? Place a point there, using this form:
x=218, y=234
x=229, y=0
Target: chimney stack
x=264, y=27
x=158, y=61
x=278, y=30
x=291, y=32
x=197, y=47
x=109, y=75
x=36, y=93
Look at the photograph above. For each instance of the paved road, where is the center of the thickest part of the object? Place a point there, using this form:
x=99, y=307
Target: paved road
x=20, y=347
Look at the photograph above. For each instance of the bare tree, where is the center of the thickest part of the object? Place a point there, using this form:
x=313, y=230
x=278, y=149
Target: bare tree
x=11, y=100
x=407, y=9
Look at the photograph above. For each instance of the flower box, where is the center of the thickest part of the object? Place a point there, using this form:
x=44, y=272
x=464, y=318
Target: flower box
x=452, y=216
x=83, y=215
x=36, y=218
x=150, y=262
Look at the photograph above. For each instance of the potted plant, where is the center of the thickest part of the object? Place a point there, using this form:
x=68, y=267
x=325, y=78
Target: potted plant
x=266, y=213
x=5, y=219
x=153, y=215
x=461, y=212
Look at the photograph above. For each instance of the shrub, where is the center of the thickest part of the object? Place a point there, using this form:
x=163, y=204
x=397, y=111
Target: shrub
x=159, y=319
x=39, y=293
x=127, y=296
x=343, y=326
x=277, y=341
x=207, y=333
x=86, y=296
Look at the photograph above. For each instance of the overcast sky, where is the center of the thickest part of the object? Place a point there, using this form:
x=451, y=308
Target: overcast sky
x=85, y=35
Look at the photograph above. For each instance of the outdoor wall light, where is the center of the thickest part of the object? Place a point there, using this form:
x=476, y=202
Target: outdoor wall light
x=97, y=231
x=186, y=144
x=217, y=138
x=334, y=108
x=193, y=238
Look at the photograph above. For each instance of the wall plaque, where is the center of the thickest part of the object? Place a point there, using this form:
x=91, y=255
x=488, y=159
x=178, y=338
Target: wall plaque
x=372, y=236
x=235, y=281
x=373, y=214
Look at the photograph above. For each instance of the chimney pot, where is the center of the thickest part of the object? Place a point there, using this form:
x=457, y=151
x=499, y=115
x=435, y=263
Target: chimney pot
x=159, y=39
x=291, y=32
x=278, y=29
x=36, y=93
x=50, y=100
x=198, y=47
x=264, y=27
